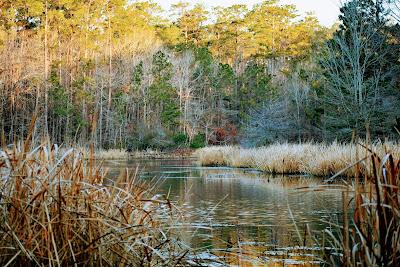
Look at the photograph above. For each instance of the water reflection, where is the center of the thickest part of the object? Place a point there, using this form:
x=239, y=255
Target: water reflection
x=231, y=212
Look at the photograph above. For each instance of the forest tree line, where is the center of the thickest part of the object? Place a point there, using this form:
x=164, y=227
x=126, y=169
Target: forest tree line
x=125, y=74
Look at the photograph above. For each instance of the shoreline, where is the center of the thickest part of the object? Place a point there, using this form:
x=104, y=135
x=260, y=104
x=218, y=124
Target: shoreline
x=145, y=154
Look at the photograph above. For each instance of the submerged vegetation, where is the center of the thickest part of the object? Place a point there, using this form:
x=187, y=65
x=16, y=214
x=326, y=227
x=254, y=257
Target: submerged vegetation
x=315, y=159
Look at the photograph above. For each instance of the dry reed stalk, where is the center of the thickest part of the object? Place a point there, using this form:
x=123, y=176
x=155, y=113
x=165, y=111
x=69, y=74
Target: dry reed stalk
x=57, y=210
x=373, y=236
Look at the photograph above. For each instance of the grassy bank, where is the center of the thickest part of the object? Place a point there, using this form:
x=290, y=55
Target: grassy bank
x=56, y=209
x=137, y=154
x=315, y=159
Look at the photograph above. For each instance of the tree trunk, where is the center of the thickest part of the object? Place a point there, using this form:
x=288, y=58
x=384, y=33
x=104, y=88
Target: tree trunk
x=46, y=74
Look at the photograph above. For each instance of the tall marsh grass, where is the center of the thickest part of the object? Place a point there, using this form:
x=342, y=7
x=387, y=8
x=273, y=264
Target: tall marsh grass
x=57, y=210
x=308, y=158
x=370, y=236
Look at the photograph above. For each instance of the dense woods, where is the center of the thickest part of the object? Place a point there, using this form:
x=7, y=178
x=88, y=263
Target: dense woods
x=290, y=106
x=123, y=74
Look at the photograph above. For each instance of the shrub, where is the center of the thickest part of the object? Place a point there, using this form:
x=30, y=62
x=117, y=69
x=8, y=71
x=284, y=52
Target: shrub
x=227, y=134
x=198, y=141
x=144, y=138
x=180, y=139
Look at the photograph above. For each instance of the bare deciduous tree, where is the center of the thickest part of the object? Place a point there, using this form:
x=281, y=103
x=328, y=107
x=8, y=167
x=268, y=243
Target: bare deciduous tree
x=357, y=79
x=269, y=123
x=394, y=7
x=182, y=79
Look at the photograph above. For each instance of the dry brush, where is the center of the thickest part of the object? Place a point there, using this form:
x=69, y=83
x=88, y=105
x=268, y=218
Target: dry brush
x=56, y=208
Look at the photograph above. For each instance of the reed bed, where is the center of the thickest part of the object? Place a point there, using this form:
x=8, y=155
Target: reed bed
x=107, y=154
x=57, y=210
x=121, y=154
x=370, y=236
x=315, y=159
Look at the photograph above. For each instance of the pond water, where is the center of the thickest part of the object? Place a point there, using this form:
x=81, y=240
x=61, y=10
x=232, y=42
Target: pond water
x=268, y=220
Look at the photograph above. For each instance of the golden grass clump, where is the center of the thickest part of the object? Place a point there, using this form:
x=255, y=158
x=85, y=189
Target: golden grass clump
x=241, y=158
x=282, y=158
x=215, y=156
x=56, y=209
x=109, y=154
x=307, y=158
x=327, y=160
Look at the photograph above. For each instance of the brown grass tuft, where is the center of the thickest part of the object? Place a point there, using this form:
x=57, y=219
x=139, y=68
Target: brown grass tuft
x=56, y=209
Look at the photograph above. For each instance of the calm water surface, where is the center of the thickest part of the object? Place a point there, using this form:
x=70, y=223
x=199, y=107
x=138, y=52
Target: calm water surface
x=227, y=210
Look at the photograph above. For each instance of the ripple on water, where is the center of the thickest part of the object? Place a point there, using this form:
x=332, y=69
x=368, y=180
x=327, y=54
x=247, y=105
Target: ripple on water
x=225, y=209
